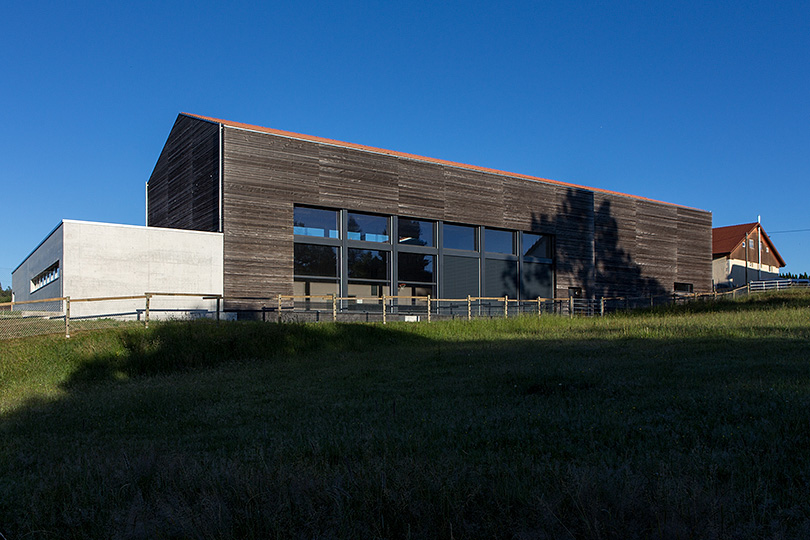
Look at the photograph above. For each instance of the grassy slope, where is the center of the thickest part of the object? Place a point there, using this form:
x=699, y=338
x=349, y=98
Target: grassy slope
x=658, y=425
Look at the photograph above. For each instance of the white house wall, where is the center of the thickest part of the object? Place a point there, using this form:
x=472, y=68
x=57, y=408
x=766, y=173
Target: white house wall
x=104, y=260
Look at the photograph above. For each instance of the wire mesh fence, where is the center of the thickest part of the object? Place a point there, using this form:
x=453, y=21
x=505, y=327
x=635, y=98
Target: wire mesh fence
x=68, y=316
x=37, y=317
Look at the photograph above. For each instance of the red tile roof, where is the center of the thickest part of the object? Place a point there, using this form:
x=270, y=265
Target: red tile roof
x=333, y=142
x=726, y=239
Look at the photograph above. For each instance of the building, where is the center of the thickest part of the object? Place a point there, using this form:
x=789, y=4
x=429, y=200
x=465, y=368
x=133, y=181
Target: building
x=307, y=215
x=81, y=260
x=251, y=213
x=741, y=254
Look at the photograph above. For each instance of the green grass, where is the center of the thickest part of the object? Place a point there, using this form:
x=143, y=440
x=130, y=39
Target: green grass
x=689, y=422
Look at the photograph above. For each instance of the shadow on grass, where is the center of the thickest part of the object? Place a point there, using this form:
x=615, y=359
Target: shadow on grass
x=181, y=346
x=698, y=437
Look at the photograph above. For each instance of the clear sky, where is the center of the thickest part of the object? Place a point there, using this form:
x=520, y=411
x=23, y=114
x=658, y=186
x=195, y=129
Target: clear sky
x=704, y=104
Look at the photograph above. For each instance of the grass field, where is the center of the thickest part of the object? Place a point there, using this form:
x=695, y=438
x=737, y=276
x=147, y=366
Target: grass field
x=688, y=422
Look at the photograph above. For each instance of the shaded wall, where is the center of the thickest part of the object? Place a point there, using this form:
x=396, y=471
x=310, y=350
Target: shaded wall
x=606, y=244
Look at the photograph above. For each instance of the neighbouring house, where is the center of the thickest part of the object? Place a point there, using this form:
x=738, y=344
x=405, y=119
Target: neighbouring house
x=297, y=214
x=741, y=254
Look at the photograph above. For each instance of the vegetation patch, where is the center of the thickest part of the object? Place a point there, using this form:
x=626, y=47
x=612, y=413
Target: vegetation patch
x=687, y=422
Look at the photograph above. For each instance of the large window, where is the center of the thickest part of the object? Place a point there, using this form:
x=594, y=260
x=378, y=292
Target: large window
x=414, y=232
x=367, y=227
x=459, y=237
x=415, y=275
x=536, y=245
x=315, y=222
x=498, y=241
x=350, y=253
x=316, y=269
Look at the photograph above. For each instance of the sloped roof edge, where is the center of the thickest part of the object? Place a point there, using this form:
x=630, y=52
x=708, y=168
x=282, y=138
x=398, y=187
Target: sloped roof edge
x=725, y=239
x=415, y=157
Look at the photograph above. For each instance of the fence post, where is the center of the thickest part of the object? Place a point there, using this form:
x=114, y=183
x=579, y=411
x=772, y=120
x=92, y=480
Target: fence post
x=219, y=300
x=383, y=307
x=334, y=308
x=428, y=306
x=279, y=309
x=469, y=308
x=505, y=307
x=539, y=308
x=146, y=313
x=601, y=307
x=748, y=289
x=67, y=317
x=570, y=306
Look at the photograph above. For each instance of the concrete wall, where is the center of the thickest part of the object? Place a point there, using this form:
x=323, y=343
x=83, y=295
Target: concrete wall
x=104, y=259
x=48, y=252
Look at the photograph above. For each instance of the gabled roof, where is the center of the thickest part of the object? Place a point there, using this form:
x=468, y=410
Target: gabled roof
x=332, y=142
x=726, y=239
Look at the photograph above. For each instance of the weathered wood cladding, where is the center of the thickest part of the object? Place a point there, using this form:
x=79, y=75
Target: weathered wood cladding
x=183, y=191
x=606, y=244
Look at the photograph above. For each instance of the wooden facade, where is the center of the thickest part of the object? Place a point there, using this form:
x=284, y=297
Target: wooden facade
x=606, y=244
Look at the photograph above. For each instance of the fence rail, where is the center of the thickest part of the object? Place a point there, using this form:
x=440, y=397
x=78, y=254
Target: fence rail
x=66, y=315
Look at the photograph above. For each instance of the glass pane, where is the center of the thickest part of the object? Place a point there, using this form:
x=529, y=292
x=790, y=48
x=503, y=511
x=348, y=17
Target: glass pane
x=315, y=222
x=501, y=278
x=366, y=290
x=312, y=260
x=458, y=237
x=368, y=264
x=415, y=233
x=413, y=267
x=459, y=276
x=410, y=289
x=536, y=245
x=367, y=227
x=537, y=281
x=312, y=287
x=496, y=241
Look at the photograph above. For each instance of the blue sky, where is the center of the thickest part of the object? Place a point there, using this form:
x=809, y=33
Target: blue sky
x=701, y=104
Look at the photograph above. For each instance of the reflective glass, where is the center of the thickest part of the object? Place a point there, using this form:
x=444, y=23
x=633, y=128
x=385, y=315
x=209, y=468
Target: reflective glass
x=497, y=241
x=415, y=233
x=458, y=237
x=315, y=222
x=314, y=260
x=368, y=264
x=414, y=267
x=367, y=228
x=536, y=245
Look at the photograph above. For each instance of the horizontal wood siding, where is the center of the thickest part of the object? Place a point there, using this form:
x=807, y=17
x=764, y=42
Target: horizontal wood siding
x=604, y=243
x=183, y=191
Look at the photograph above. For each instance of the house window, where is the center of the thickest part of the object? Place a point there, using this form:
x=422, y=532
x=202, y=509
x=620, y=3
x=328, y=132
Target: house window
x=49, y=275
x=683, y=287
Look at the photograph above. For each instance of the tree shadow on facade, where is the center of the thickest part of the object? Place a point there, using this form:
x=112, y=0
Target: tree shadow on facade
x=593, y=252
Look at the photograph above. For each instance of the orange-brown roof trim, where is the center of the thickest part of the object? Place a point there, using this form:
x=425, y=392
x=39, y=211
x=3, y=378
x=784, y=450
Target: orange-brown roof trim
x=354, y=146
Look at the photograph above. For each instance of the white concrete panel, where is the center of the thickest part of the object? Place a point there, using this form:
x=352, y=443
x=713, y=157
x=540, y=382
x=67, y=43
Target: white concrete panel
x=105, y=259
